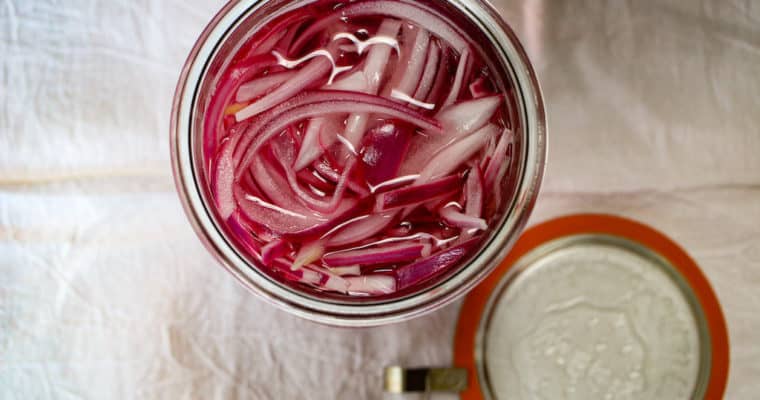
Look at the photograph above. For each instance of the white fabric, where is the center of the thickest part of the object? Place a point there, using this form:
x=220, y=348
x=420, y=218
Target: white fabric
x=105, y=292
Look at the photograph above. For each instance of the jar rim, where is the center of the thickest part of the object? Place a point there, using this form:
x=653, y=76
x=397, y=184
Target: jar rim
x=533, y=119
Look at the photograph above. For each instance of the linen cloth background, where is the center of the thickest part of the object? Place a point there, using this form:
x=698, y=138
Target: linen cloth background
x=105, y=292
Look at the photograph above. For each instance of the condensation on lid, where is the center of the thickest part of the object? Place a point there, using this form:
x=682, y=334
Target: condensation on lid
x=593, y=317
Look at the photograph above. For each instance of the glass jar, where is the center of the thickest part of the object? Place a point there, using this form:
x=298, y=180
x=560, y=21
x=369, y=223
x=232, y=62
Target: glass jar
x=211, y=54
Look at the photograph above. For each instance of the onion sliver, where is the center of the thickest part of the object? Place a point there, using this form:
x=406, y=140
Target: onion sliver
x=418, y=194
x=316, y=69
x=371, y=284
x=398, y=253
x=454, y=217
x=468, y=116
x=257, y=87
x=455, y=154
x=425, y=268
x=361, y=103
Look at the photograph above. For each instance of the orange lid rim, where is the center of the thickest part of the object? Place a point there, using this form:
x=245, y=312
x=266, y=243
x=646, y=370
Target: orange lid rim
x=476, y=302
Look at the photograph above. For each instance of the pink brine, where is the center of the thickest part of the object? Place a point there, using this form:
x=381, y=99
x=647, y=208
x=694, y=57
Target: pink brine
x=358, y=148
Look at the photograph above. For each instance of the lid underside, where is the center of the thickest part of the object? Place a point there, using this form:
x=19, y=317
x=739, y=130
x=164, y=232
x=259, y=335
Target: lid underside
x=593, y=316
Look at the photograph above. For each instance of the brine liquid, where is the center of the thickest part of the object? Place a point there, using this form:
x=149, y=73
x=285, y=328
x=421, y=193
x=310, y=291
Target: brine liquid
x=359, y=148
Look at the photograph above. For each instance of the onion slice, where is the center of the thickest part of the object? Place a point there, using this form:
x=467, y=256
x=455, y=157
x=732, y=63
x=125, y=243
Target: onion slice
x=257, y=87
x=374, y=70
x=408, y=77
x=358, y=229
x=315, y=132
x=418, y=194
x=456, y=154
x=224, y=94
x=288, y=223
x=454, y=217
x=464, y=59
x=429, y=72
x=352, y=270
x=425, y=268
x=377, y=255
x=371, y=284
x=383, y=151
x=359, y=102
x=468, y=116
x=224, y=179
x=315, y=70
x=498, y=159
x=473, y=190
x=274, y=249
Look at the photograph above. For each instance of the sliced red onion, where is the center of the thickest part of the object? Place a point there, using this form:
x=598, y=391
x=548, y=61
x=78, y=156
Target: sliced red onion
x=356, y=124
x=246, y=239
x=454, y=217
x=224, y=179
x=330, y=174
x=223, y=95
x=245, y=152
x=378, y=56
x=315, y=181
x=258, y=87
x=358, y=229
x=282, y=266
x=263, y=44
x=413, y=63
x=308, y=254
x=321, y=133
x=480, y=88
x=384, y=149
x=287, y=222
x=315, y=70
x=353, y=270
x=374, y=70
x=457, y=153
x=260, y=232
x=356, y=82
x=284, y=150
x=498, y=159
x=275, y=186
x=468, y=116
x=458, y=120
x=378, y=255
x=326, y=129
x=473, y=189
x=464, y=59
x=418, y=194
x=332, y=282
x=361, y=103
x=274, y=249
x=339, y=182
x=429, y=72
x=395, y=183
x=249, y=185
x=422, y=148
x=415, y=13
x=442, y=82
x=261, y=120
x=321, y=205
x=424, y=269
x=273, y=217
x=371, y=284
x=317, y=278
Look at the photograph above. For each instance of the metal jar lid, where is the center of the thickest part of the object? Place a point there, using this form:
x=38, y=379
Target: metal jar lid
x=593, y=307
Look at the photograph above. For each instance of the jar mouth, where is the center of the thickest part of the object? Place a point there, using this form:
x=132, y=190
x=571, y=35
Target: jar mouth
x=364, y=312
